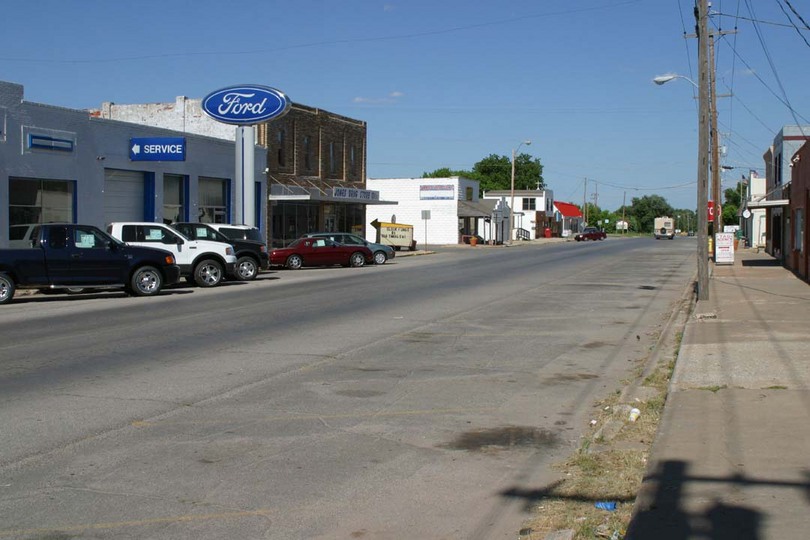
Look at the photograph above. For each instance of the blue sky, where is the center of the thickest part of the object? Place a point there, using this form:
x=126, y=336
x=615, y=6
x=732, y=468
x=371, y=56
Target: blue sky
x=444, y=83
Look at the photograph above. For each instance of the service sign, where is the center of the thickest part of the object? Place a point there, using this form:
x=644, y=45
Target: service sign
x=246, y=104
x=157, y=149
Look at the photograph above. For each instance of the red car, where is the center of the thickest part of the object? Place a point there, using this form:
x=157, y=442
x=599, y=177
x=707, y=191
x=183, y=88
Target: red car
x=590, y=233
x=319, y=252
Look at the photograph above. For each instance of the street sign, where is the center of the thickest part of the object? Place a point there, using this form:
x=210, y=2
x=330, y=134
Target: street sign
x=157, y=149
x=425, y=214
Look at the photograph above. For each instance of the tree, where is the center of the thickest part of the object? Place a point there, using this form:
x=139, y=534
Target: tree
x=731, y=206
x=647, y=208
x=495, y=173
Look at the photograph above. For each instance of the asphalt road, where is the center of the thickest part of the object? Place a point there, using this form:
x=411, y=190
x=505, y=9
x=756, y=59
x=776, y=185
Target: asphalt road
x=426, y=398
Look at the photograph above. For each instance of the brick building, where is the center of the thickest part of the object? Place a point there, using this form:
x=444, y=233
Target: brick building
x=798, y=259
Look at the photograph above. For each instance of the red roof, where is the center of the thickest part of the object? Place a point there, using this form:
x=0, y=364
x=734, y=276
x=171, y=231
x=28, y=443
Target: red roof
x=567, y=209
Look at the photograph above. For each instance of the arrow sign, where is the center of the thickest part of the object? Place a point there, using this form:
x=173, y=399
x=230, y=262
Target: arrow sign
x=157, y=149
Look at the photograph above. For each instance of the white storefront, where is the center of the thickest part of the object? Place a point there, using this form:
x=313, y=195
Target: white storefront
x=445, y=199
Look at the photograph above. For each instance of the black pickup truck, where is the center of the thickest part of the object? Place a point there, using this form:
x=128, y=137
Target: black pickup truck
x=82, y=256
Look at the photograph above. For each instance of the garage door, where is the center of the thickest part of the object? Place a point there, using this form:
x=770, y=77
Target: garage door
x=123, y=196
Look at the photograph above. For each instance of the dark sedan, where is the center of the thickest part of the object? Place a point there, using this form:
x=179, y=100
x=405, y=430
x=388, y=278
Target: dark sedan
x=320, y=252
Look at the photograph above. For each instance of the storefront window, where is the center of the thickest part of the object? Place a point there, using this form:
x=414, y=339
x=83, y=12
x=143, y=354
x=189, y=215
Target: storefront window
x=40, y=201
x=212, y=201
x=173, y=198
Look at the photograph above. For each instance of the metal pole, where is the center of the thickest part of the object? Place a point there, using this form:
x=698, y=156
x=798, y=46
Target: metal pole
x=512, y=204
x=701, y=14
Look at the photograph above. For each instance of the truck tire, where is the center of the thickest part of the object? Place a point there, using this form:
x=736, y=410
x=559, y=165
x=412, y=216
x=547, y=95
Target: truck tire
x=7, y=288
x=247, y=268
x=145, y=281
x=207, y=273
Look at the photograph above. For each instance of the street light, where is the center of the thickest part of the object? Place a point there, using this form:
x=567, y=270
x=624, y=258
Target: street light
x=705, y=128
x=663, y=79
x=512, y=204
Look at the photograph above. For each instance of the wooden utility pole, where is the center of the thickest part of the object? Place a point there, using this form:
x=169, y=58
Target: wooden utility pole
x=585, y=202
x=702, y=14
x=716, y=190
x=624, y=206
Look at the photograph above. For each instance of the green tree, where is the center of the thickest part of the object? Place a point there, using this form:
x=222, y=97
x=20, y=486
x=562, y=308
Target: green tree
x=495, y=172
x=647, y=208
x=732, y=204
x=446, y=172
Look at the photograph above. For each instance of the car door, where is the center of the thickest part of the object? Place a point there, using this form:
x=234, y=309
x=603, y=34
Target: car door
x=94, y=258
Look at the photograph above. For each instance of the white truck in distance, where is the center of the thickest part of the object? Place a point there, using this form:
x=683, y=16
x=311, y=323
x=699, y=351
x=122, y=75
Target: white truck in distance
x=204, y=262
x=664, y=228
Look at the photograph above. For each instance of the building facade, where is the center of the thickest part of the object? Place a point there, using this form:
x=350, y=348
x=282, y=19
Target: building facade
x=778, y=166
x=798, y=259
x=534, y=211
x=451, y=206
x=315, y=164
x=60, y=164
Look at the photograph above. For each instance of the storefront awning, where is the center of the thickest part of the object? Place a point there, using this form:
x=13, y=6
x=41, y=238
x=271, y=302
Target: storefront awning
x=483, y=208
x=767, y=204
x=334, y=194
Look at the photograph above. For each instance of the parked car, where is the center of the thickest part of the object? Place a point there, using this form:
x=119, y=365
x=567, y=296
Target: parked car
x=19, y=236
x=64, y=256
x=320, y=252
x=381, y=252
x=201, y=261
x=251, y=255
x=590, y=233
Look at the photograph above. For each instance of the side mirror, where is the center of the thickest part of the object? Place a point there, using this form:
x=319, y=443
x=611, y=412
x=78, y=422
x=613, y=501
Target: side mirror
x=180, y=241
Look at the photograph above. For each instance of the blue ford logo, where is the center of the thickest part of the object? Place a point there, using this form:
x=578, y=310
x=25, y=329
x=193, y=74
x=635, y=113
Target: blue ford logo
x=245, y=104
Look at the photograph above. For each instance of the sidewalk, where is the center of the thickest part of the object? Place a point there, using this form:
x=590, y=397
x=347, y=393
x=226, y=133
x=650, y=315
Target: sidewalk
x=732, y=456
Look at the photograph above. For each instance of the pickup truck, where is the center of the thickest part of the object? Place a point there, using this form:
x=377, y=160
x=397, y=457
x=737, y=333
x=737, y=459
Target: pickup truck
x=62, y=255
x=204, y=262
x=251, y=255
x=590, y=233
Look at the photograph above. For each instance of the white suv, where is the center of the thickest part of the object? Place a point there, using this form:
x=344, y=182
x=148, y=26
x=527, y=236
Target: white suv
x=202, y=261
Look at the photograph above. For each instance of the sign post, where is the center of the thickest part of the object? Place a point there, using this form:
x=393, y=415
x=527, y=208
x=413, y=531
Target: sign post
x=426, y=217
x=245, y=106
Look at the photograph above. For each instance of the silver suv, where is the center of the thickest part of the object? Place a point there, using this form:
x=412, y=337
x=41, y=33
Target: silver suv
x=381, y=252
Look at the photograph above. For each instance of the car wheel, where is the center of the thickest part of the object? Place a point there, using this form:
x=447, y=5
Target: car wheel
x=357, y=259
x=246, y=268
x=380, y=257
x=208, y=273
x=146, y=281
x=294, y=262
x=7, y=289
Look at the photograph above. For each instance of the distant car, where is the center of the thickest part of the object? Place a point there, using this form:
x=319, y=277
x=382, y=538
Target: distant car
x=590, y=233
x=381, y=252
x=319, y=252
x=690, y=233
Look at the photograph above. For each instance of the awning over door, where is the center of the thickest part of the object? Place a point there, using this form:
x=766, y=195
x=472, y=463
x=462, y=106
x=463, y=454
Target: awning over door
x=332, y=194
x=483, y=208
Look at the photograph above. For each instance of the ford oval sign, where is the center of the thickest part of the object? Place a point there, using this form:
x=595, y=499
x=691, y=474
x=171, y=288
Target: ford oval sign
x=245, y=104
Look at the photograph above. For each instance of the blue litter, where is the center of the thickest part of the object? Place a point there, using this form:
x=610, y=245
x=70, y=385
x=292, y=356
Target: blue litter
x=604, y=505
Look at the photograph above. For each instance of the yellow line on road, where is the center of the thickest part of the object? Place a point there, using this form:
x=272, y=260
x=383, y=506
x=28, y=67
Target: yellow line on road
x=136, y=523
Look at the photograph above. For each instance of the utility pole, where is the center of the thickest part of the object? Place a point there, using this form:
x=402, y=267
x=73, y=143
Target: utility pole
x=702, y=28
x=718, y=214
x=624, y=221
x=585, y=201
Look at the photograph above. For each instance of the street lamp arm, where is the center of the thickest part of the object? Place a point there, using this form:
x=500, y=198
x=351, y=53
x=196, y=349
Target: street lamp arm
x=663, y=79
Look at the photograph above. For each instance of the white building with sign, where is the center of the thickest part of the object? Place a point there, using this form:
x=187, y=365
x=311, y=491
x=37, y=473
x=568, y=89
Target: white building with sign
x=453, y=203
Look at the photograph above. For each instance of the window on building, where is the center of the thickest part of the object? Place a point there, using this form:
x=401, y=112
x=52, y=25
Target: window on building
x=212, y=202
x=353, y=159
x=332, y=158
x=468, y=193
x=799, y=234
x=307, y=153
x=530, y=204
x=282, y=150
x=173, y=197
x=40, y=201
